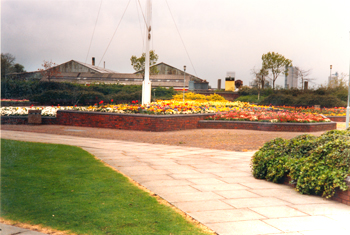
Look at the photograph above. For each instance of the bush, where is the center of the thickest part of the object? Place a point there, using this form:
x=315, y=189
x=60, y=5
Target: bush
x=318, y=165
x=278, y=100
x=250, y=98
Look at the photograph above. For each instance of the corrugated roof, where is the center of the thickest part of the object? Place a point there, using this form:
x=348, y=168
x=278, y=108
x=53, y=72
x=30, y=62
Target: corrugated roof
x=96, y=68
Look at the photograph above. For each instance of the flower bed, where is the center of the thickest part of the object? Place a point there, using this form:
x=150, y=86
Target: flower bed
x=336, y=111
x=171, y=107
x=265, y=115
x=144, y=116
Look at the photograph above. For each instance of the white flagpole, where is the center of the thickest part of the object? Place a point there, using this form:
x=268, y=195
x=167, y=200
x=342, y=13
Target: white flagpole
x=146, y=85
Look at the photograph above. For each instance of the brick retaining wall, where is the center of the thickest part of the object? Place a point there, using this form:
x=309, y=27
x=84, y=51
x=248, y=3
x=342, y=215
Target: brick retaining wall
x=337, y=118
x=163, y=122
x=130, y=121
x=267, y=126
x=21, y=120
x=339, y=196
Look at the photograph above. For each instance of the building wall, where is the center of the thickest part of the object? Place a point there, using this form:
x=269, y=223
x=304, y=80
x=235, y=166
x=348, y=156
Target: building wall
x=291, y=80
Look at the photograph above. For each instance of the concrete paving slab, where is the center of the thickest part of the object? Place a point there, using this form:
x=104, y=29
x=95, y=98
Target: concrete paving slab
x=236, y=194
x=190, y=197
x=208, y=205
x=219, y=216
x=247, y=179
x=324, y=209
x=255, y=202
x=175, y=189
x=13, y=230
x=277, y=211
x=218, y=187
x=337, y=231
x=250, y=227
x=207, y=181
x=304, y=223
x=191, y=176
x=233, y=174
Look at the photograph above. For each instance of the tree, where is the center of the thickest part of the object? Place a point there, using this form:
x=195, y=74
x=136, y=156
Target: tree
x=261, y=76
x=50, y=70
x=277, y=63
x=18, y=68
x=139, y=63
x=303, y=74
x=8, y=66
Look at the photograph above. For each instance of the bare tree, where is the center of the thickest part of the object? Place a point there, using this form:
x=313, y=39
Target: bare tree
x=261, y=76
x=303, y=75
x=50, y=70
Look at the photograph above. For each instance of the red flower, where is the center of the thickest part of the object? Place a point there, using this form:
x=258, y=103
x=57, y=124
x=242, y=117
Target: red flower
x=133, y=102
x=112, y=100
x=136, y=101
x=101, y=102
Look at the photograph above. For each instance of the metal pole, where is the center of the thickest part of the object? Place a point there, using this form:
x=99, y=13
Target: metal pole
x=330, y=77
x=348, y=108
x=183, y=90
x=146, y=85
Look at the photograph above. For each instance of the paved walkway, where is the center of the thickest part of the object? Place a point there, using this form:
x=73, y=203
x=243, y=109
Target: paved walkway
x=213, y=186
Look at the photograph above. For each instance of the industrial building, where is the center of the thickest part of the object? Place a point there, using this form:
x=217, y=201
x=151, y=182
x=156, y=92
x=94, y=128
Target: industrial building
x=83, y=73
x=291, y=78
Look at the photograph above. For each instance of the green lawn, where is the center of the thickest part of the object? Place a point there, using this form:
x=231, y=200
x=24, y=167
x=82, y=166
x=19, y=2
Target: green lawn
x=66, y=188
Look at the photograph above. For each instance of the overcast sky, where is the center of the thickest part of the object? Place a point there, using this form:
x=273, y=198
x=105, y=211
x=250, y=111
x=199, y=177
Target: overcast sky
x=220, y=35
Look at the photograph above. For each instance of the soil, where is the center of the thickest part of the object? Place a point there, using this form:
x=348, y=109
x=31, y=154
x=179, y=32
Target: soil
x=223, y=139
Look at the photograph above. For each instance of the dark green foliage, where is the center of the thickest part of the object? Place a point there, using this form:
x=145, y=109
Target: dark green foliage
x=323, y=100
x=269, y=161
x=326, y=97
x=64, y=93
x=250, y=98
x=162, y=93
x=318, y=165
x=278, y=100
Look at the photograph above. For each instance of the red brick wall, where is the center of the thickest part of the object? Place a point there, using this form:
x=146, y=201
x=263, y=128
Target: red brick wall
x=130, y=121
x=342, y=196
x=339, y=196
x=21, y=120
x=267, y=126
x=337, y=118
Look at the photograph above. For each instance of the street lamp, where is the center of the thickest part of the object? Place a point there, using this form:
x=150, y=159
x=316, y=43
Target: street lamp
x=183, y=90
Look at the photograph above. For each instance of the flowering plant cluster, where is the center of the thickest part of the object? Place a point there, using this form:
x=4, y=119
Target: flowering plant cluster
x=14, y=100
x=160, y=107
x=49, y=111
x=261, y=115
x=163, y=107
x=336, y=111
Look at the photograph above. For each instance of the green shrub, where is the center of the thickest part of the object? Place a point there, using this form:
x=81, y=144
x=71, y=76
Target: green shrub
x=250, y=98
x=318, y=165
x=278, y=100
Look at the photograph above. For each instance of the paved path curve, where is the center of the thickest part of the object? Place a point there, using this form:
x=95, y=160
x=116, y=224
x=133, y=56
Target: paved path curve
x=213, y=186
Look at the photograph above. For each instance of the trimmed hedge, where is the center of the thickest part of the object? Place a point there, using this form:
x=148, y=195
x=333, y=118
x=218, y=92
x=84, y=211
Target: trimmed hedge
x=317, y=165
x=64, y=93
